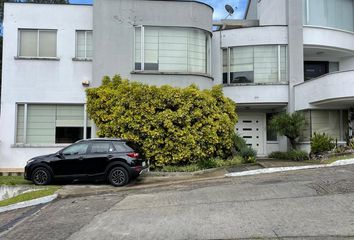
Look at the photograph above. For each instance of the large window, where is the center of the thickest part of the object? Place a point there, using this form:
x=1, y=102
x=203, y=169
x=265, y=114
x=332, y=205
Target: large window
x=255, y=64
x=171, y=49
x=331, y=122
x=50, y=124
x=329, y=13
x=84, y=44
x=37, y=43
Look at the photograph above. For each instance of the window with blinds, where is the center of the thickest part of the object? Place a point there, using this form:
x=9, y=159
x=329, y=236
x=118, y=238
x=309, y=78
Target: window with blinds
x=255, y=64
x=324, y=121
x=49, y=124
x=84, y=45
x=20, y=123
x=37, y=43
x=331, y=122
x=172, y=49
x=241, y=65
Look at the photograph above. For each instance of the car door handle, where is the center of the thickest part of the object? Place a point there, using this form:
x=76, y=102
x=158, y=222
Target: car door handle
x=81, y=158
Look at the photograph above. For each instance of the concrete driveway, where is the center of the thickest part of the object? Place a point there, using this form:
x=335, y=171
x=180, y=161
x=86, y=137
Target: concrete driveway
x=307, y=204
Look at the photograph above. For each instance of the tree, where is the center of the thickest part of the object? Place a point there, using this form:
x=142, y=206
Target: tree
x=289, y=125
x=171, y=125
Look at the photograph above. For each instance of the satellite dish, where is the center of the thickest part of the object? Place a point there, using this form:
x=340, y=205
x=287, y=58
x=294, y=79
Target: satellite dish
x=229, y=9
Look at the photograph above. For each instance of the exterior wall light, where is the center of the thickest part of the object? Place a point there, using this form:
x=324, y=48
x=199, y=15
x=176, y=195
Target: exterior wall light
x=86, y=83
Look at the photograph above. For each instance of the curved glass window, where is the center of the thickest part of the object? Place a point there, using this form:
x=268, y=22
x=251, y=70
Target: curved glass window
x=171, y=49
x=255, y=64
x=329, y=13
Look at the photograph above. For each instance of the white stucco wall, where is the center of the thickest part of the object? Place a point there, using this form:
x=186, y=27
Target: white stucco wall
x=258, y=94
x=254, y=36
x=272, y=12
x=40, y=81
x=346, y=64
x=114, y=23
x=328, y=37
x=337, y=85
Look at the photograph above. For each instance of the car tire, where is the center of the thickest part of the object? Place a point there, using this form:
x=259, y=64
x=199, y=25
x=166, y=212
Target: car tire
x=118, y=176
x=41, y=176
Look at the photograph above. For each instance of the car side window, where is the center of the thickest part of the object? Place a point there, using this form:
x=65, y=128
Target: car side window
x=76, y=149
x=101, y=147
x=120, y=147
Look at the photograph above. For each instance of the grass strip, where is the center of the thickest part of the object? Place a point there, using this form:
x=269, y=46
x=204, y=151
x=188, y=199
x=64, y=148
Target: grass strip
x=30, y=195
x=13, y=180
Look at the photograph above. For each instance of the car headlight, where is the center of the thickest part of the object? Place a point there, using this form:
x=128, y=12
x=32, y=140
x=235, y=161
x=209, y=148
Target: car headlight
x=31, y=160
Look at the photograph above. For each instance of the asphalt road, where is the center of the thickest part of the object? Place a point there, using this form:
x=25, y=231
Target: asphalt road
x=308, y=204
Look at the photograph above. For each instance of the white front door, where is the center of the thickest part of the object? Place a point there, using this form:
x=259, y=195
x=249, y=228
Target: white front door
x=251, y=127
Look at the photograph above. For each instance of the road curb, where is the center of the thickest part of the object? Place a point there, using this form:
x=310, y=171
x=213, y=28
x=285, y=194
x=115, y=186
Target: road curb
x=286, y=169
x=29, y=203
x=196, y=173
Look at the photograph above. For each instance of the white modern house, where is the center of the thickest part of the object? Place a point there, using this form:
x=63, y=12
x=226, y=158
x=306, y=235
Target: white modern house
x=286, y=55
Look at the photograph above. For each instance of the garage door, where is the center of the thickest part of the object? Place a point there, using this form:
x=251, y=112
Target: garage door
x=250, y=127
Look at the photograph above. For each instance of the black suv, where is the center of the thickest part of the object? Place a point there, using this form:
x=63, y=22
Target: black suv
x=115, y=160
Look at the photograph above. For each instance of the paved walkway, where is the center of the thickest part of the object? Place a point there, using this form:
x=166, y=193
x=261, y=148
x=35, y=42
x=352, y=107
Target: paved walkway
x=271, y=163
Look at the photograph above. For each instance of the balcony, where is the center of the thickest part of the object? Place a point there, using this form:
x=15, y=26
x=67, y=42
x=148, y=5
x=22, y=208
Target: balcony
x=334, y=90
x=329, y=38
x=258, y=95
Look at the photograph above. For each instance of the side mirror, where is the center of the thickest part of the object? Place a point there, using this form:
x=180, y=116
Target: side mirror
x=59, y=154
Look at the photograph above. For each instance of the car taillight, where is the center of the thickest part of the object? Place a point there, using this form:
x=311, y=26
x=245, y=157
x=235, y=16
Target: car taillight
x=133, y=155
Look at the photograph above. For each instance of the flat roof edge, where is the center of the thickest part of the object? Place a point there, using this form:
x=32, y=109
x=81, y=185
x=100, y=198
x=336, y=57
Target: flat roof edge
x=60, y=4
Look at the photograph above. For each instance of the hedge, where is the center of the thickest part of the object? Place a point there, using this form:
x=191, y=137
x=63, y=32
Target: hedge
x=171, y=125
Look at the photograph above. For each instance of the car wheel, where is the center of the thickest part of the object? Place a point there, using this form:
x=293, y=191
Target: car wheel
x=118, y=177
x=41, y=176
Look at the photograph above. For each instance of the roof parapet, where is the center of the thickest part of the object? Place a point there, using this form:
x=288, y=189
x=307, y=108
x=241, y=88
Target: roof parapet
x=225, y=24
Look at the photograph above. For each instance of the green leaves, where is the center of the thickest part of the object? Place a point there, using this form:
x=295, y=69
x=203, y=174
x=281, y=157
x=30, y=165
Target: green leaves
x=172, y=125
x=288, y=125
x=321, y=143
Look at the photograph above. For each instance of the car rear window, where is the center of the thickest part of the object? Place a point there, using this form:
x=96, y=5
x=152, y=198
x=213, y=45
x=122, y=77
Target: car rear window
x=121, y=147
x=133, y=146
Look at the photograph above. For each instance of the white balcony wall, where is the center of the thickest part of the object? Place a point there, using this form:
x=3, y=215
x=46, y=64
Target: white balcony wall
x=331, y=38
x=334, y=86
x=271, y=35
x=258, y=94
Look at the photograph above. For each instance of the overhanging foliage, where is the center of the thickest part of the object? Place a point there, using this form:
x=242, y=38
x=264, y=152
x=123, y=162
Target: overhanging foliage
x=172, y=125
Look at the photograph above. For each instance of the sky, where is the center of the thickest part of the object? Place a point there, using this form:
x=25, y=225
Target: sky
x=218, y=5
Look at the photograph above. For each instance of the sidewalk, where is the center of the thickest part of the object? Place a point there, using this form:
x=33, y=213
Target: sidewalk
x=291, y=168
x=271, y=163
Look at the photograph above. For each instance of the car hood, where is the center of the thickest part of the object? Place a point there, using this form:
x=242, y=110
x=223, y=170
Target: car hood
x=44, y=156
